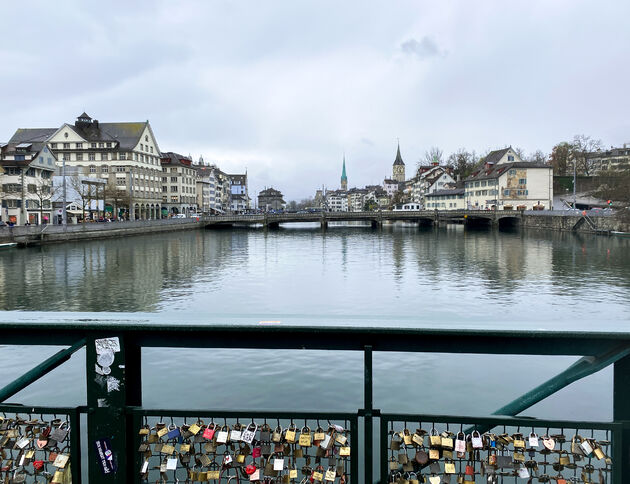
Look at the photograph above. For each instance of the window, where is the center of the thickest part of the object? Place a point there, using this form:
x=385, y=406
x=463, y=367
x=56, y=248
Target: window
x=79, y=146
x=121, y=180
x=114, y=155
x=79, y=156
x=92, y=169
x=164, y=179
x=123, y=156
x=151, y=149
x=476, y=183
x=66, y=146
x=31, y=172
x=510, y=158
x=92, y=145
x=109, y=145
x=41, y=160
x=146, y=137
x=104, y=169
x=512, y=172
x=101, y=145
x=104, y=156
x=164, y=188
x=506, y=192
x=92, y=156
x=522, y=181
x=50, y=161
x=174, y=199
x=173, y=170
x=120, y=169
x=174, y=179
x=53, y=146
x=19, y=157
x=174, y=188
x=164, y=169
x=141, y=147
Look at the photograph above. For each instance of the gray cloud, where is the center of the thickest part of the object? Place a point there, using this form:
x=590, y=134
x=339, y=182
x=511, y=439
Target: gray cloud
x=422, y=49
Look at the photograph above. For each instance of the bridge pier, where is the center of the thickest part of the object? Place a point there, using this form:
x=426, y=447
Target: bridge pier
x=323, y=223
x=271, y=225
x=376, y=224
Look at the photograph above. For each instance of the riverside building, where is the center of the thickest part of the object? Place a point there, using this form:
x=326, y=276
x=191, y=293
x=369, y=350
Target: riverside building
x=123, y=154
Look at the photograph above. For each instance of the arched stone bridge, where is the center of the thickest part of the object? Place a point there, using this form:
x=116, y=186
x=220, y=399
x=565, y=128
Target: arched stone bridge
x=423, y=217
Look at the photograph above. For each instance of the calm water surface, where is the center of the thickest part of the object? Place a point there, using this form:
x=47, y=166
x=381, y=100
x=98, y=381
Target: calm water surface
x=400, y=276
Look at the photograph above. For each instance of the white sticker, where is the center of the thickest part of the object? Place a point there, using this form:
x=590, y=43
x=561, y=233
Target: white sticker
x=106, y=358
x=145, y=467
x=107, y=344
x=113, y=384
x=523, y=472
x=171, y=464
x=278, y=464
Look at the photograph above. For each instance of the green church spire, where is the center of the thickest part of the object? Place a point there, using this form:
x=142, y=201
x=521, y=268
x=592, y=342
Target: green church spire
x=344, y=178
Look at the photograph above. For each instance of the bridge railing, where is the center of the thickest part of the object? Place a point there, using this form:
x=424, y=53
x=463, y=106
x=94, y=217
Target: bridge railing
x=127, y=442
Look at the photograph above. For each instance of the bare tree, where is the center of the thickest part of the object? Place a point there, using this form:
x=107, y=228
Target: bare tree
x=118, y=197
x=462, y=162
x=83, y=191
x=43, y=191
x=581, y=147
x=559, y=158
x=433, y=155
x=538, y=157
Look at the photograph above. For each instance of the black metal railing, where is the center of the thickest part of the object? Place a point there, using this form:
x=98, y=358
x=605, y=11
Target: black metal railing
x=115, y=414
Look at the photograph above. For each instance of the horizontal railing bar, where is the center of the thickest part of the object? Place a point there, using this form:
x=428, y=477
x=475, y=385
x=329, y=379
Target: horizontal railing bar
x=18, y=409
x=280, y=414
x=467, y=341
x=497, y=421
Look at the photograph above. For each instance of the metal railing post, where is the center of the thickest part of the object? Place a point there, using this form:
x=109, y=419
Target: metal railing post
x=367, y=416
x=621, y=414
x=109, y=375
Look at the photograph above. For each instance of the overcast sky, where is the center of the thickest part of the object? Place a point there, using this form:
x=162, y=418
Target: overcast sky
x=284, y=88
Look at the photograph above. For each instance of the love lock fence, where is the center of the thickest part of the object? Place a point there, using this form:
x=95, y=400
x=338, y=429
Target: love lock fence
x=128, y=443
x=443, y=449
x=39, y=444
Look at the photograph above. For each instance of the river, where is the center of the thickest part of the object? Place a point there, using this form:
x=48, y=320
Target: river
x=398, y=276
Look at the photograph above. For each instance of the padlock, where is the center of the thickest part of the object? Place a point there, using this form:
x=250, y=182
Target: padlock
x=289, y=435
x=434, y=439
x=223, y=435
x=477, y=441
x=60, y=433
x=249, y=433
x=533, y=440
x=209, y=431
x=277, y=434
x=305, y=437
x=236, y=432
x=460, y=444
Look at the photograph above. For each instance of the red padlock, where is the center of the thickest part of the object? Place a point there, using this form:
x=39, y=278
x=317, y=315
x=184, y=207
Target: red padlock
x=38, y=464
x=209, y=432
x=470, y=470
x=256, y=452
x=250, y=469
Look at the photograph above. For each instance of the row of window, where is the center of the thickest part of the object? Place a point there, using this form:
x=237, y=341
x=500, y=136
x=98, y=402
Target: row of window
x=110, y=156
x=32, y=204
x=478, y=193
x=507, y=192
x=79, y=146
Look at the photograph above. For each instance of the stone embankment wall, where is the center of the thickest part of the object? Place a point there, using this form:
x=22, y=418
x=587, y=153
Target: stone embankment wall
x=567, y=222
x=47, y=234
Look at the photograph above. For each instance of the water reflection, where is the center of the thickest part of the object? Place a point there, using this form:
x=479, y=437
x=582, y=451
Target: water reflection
x=447, y=274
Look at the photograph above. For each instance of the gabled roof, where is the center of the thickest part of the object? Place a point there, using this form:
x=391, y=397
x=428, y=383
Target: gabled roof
x=495, y=156
x=448, y=191
x=32, y=135
x=10, y=149
x=171, y=158
x=495, y=171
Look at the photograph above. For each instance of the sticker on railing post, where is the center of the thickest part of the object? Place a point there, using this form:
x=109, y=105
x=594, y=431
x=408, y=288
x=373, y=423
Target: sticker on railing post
x=106, y=456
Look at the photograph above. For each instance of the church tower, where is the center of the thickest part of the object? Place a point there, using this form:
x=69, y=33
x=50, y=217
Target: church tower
x=398, y=172
x=344, y=178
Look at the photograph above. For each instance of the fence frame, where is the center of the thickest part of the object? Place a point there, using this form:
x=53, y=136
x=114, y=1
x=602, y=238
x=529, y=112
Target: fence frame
x=116, y=420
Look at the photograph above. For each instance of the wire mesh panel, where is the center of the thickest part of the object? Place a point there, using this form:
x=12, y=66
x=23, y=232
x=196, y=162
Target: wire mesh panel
x=39, y=445
x=228, y=447
x=458, y=450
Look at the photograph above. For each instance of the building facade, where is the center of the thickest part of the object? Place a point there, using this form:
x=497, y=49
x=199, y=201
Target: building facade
x=179, y=184
x=125, y=155
x=239, y=197
x=270, y=199
x=507, y=182
x=606, y=161
x=26, y=183
x=448, y=199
